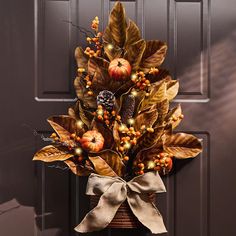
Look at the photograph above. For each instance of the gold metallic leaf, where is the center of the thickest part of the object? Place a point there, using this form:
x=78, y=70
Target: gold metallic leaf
x=77, y=169
x=51, y=153
x=81, y=58
x=172, y=89
x=112, y=51
x=175, y=112
x=134, y=53
x=154, y=55
x=64, y=126
x=132, y=33
x=146, y=118
x=82, y=93
x=157, y=95
x=101, y=167
x=113, y=159
x=183, y=145
x=117, y=24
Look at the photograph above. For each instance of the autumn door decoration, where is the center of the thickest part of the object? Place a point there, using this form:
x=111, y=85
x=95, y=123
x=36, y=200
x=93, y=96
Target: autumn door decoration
x=120, y=130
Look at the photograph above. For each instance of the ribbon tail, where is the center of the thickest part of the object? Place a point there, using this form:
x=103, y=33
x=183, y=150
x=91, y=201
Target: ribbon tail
x=100, y=217
x=146, y=212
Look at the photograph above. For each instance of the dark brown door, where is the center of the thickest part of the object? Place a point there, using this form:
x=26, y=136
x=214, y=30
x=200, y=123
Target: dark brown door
x=37, y=70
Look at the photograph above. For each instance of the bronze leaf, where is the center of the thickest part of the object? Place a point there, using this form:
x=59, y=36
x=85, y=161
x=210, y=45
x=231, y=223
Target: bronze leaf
x=172, y=89
x=182, y=145
x=81, y=58
x=52, y=153
x=153, y=55
x=146, y=118
x=101, y=167
x=82, y=93
x=117, y=24
x=132, y=33
x=134, y=53
x=78, y=169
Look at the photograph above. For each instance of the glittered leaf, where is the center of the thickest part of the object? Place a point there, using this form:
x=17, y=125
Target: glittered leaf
x=183, y=145
x=154, y=55
x=101, y=167
x=82, y=93
x=51, y=153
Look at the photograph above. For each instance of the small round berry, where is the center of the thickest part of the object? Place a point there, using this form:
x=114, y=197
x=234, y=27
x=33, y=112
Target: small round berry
x=90, y=93
x=126, y=158
x=73, y=135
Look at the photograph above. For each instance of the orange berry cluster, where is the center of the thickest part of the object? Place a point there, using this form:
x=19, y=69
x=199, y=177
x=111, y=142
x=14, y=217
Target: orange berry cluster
x=140, y=80
x=95, y=23
x=87, y=80
x=54, y=137
x=175, y=118
x=128, y=138
x=153, y=71
x=104, y=115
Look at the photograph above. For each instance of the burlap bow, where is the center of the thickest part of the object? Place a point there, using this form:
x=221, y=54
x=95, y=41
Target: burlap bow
x=114, y=191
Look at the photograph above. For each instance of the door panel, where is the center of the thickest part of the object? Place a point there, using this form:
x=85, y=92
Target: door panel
x=38, y=68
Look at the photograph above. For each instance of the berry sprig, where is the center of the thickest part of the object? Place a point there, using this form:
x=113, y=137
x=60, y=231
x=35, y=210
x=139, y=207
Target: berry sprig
x=140, y=81
x=108, y=117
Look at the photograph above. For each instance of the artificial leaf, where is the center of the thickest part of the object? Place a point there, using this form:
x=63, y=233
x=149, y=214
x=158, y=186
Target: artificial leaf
x=101, y=167
x=172, y=89
x=113, y=160
x=82, y=93
x=146, y=118
x=116, y=133
x=175, y=112
x=71, y=113
x=153, y=55
x=183, y=145
x=134, y=53
x=117, y=24
x=51, y=153
x=105, y=131
x=81, y=58
x=162, y=109
x=162, y=74
x=112, y=51
x=148, y=139
x=132, y=33
x=78, y=169
x=64, y=126
x=84, y=115
x=157, y=95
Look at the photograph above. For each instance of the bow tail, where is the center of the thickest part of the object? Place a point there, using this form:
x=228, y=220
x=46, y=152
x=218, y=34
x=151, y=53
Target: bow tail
x=100, y=217
x=146, y=212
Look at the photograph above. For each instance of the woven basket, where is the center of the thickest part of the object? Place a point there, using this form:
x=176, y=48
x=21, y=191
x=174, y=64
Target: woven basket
x=124, y=217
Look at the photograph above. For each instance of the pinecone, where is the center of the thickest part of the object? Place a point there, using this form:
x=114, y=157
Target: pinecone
x=106, y=99
x=127, y=109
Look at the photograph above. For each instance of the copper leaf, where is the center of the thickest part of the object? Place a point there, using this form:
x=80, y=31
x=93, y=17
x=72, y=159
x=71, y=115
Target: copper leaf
x=101, y=167
x=157, y=95
x=113, y=160
x=154, y=55
x=162, y=109
x=132, y=33
x=82, y=93
x=183, y=145
x=117, y=24
x=77, y=169
x=146, y=118
x=64, y=126
x=175, y=112
x=134, y=53
x=51, y=153
x=172, y=89
x=81, y=58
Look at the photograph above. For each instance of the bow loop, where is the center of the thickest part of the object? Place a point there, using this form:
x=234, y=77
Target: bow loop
x=114, y=191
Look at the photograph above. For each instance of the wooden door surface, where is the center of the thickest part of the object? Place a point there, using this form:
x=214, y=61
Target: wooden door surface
x=37, y=71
